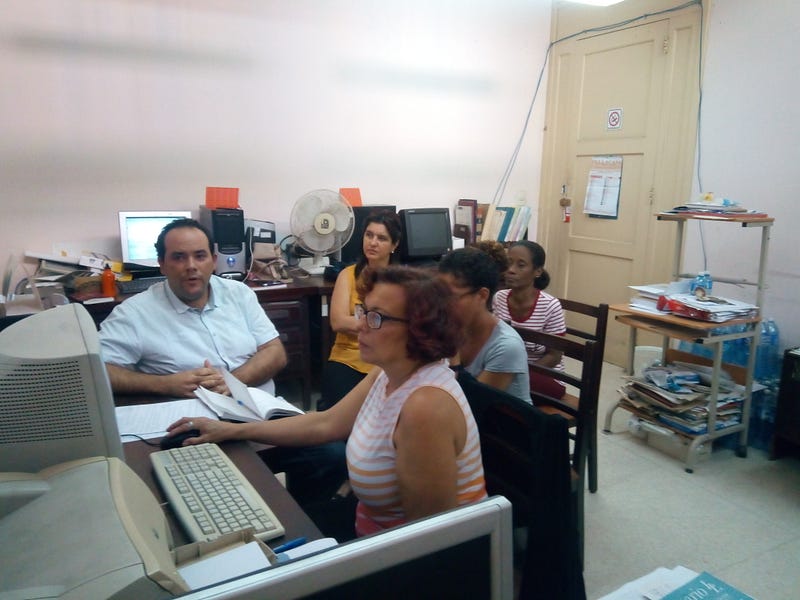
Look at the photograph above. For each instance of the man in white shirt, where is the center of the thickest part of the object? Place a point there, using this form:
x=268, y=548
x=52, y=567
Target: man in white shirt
x=178, y=334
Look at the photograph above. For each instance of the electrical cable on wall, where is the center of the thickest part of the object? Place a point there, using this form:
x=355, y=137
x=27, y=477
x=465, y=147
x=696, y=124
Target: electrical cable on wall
x=602, y=28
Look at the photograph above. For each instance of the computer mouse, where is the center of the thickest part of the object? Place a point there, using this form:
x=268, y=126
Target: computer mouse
x=176, y=441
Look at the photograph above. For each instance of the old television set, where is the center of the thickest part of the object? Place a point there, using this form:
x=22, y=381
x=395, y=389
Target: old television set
x=56, y=402
x=138, y=231
x=426, y=234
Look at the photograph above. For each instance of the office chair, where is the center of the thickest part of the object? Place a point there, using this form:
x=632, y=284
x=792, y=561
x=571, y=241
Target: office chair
x=526, y=459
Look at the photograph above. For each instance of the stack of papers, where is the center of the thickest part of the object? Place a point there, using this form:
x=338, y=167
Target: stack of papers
x=724, y=208
x=709, y=308
x=646, y=296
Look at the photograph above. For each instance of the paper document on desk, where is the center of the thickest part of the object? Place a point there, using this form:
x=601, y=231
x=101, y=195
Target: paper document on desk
x=151, y=420
x=245, y=403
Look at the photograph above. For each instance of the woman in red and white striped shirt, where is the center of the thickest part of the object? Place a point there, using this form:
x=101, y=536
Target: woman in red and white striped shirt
x=525, y=304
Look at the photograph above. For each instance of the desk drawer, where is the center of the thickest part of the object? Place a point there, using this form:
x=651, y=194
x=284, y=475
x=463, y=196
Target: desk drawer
x=290, y=318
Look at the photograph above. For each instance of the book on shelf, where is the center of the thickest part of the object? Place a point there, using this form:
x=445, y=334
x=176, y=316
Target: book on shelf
x=245, y=403
x=480, y=218
x=501, y=221
x=466, y=215
x=519, y=225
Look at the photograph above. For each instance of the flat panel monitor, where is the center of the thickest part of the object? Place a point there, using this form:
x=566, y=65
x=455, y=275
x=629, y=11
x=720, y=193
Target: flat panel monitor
x=426, y=234
x=56, y=402
x=462, y=553
x=138, y=231
x=352, y=250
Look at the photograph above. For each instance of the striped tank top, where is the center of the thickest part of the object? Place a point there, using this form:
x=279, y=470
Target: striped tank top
x=371, y=454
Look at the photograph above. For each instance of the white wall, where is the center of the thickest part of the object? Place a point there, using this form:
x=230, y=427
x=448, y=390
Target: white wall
x=140, y=104
x=118, y=104
x=749, y=149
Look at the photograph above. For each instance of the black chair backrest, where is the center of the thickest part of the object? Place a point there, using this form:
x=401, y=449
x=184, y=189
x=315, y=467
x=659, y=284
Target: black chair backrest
x=526, y=459
x=586, y=321
x=586, y=386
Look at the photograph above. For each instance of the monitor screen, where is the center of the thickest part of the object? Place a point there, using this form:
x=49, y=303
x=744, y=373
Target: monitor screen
x=138, y=231
x=462, y=553
x=55, y=395
x=426, y=234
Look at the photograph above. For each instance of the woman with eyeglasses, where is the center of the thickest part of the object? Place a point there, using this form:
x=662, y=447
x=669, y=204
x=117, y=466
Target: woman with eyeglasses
x=412, y=443
x=345, y=368
x=490, y=349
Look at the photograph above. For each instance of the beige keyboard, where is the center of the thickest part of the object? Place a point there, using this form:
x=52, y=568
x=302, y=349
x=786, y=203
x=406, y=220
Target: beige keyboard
x=210, y=495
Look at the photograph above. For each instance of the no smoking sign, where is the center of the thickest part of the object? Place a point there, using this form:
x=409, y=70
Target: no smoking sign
x=614, y=118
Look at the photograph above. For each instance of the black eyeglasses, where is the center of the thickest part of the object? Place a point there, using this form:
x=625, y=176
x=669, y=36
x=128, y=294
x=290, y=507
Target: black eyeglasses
x=374, y=318
x=460, y=295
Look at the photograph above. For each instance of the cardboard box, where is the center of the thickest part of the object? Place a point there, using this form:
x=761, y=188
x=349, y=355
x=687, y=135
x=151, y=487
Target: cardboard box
x=194, y=552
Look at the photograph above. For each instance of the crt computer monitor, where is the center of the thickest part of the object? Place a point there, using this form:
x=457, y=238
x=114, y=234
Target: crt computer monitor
x=138, y=231
x=462, y=553
x=426, y=234
x=56, y=402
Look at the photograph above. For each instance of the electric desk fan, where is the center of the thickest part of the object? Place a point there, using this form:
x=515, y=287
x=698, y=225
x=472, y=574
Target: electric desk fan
x=322, y=222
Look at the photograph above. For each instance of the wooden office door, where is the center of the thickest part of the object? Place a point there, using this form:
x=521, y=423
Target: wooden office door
x=632, y=93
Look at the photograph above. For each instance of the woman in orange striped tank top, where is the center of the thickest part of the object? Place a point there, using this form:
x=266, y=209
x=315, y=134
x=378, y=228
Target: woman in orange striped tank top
x=412, y=442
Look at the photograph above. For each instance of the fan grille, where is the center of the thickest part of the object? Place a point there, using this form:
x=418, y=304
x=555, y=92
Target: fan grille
x=322, y=221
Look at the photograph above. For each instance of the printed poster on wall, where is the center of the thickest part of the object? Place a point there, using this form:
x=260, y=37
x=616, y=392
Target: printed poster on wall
x=602, y=188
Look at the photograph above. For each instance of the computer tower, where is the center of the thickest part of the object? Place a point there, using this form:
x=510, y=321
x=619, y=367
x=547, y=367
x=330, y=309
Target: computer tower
x=351, y=251
x=227, y=227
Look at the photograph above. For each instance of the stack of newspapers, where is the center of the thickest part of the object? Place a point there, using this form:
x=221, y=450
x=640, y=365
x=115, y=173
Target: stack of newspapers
x=678, y=396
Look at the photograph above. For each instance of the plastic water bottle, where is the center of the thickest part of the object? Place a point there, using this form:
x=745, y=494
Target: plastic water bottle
x=702, y=280
x=773, y=361
x=767, y=357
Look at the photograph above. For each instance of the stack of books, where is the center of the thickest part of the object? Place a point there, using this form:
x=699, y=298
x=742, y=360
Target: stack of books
x=678, y=396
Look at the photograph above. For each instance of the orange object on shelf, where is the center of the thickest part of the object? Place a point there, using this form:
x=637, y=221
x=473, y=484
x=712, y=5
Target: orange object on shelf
x=108, y=283
x=352, y=195
x=222, y=197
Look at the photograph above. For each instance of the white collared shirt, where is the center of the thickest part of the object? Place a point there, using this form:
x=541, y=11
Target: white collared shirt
x=155, y=332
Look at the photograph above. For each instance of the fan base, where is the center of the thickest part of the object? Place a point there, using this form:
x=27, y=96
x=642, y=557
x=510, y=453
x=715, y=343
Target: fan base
x=314, y=266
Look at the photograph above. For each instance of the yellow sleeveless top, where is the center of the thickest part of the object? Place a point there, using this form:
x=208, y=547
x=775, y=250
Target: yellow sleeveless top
x=345, y=346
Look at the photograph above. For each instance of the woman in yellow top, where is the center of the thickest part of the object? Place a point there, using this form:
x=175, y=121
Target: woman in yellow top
x=345, y=368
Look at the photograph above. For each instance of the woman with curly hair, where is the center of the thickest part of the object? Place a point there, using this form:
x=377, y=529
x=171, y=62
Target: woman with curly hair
x=412, y=442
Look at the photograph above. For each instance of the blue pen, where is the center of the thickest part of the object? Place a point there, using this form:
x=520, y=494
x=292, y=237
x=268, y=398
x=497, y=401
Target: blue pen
x=289, y=545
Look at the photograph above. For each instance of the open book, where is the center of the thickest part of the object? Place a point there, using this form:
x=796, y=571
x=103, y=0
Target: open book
x=245, y=403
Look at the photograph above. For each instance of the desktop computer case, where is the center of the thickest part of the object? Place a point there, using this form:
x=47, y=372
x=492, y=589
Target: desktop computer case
x=227, y=227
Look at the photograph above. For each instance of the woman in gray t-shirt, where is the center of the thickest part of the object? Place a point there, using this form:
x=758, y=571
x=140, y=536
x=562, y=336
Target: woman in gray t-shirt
x=490, y=350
